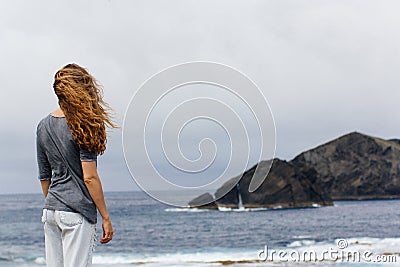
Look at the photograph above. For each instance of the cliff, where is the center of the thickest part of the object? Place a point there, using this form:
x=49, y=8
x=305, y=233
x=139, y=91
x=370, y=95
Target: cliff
x=356, y=166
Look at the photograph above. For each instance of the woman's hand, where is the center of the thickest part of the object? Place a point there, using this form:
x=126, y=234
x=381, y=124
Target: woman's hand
x=108, y=231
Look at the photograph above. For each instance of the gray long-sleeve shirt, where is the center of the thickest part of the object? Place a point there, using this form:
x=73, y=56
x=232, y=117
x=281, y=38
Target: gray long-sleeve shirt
x=59, y=160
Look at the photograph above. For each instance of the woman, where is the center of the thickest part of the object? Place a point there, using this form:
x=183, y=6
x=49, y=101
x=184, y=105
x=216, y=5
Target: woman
x=68, y=142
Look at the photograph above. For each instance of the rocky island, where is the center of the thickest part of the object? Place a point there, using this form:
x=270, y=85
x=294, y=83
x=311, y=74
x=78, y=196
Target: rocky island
x=353, y=166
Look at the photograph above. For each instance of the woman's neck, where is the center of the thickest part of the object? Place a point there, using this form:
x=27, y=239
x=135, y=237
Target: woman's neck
x=58, y=113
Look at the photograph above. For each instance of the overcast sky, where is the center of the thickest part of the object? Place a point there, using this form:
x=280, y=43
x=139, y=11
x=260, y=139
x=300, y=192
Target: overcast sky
x=326, y=67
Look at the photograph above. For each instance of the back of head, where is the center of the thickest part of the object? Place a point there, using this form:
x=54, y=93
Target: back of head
x=80, y=98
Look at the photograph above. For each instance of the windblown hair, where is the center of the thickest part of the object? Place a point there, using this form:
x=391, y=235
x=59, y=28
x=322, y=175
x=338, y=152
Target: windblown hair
x=81, y=99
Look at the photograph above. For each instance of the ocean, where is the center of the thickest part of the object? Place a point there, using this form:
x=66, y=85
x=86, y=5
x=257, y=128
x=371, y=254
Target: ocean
x=148, y=233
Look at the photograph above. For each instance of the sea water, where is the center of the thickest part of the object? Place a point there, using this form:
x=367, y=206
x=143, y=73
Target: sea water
x=148, y=233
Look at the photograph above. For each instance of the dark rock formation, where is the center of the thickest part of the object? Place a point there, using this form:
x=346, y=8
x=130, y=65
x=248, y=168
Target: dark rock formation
x=286, y=186
x=230, y=199
x=356, y=166
x=204, y=201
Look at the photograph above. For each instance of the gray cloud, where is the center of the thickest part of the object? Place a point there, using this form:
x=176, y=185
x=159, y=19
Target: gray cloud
x=326, y=67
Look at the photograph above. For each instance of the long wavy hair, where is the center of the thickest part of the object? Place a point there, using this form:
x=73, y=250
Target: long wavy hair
x=80, y=97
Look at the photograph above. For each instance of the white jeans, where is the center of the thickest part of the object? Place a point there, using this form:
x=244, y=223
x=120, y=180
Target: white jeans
x=69, y=239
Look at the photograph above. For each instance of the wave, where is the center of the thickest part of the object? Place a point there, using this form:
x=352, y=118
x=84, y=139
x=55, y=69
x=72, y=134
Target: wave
x=230, y=256
x=376, y=244
x=178, y=259
x=242, y=209
x=243, y=257
x=225, y=209
x=184, y=209
x=364, y=250
x=302, y=236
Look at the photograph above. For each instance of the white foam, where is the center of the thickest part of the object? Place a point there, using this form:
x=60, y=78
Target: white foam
x=235, y=210
x=40, y=260
x=224, y=209
x=185, y=210
x=194, y=258
x=241, y=209
x=301, y=243
x=378, y=246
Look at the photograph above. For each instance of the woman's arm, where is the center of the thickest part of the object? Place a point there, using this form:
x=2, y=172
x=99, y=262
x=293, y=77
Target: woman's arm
x=93, y=184
x=44, y=167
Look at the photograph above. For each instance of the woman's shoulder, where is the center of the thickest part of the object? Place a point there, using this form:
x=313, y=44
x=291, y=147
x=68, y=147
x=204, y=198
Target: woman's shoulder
x=43, y=121
x=41, y=126
x=47, y=119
